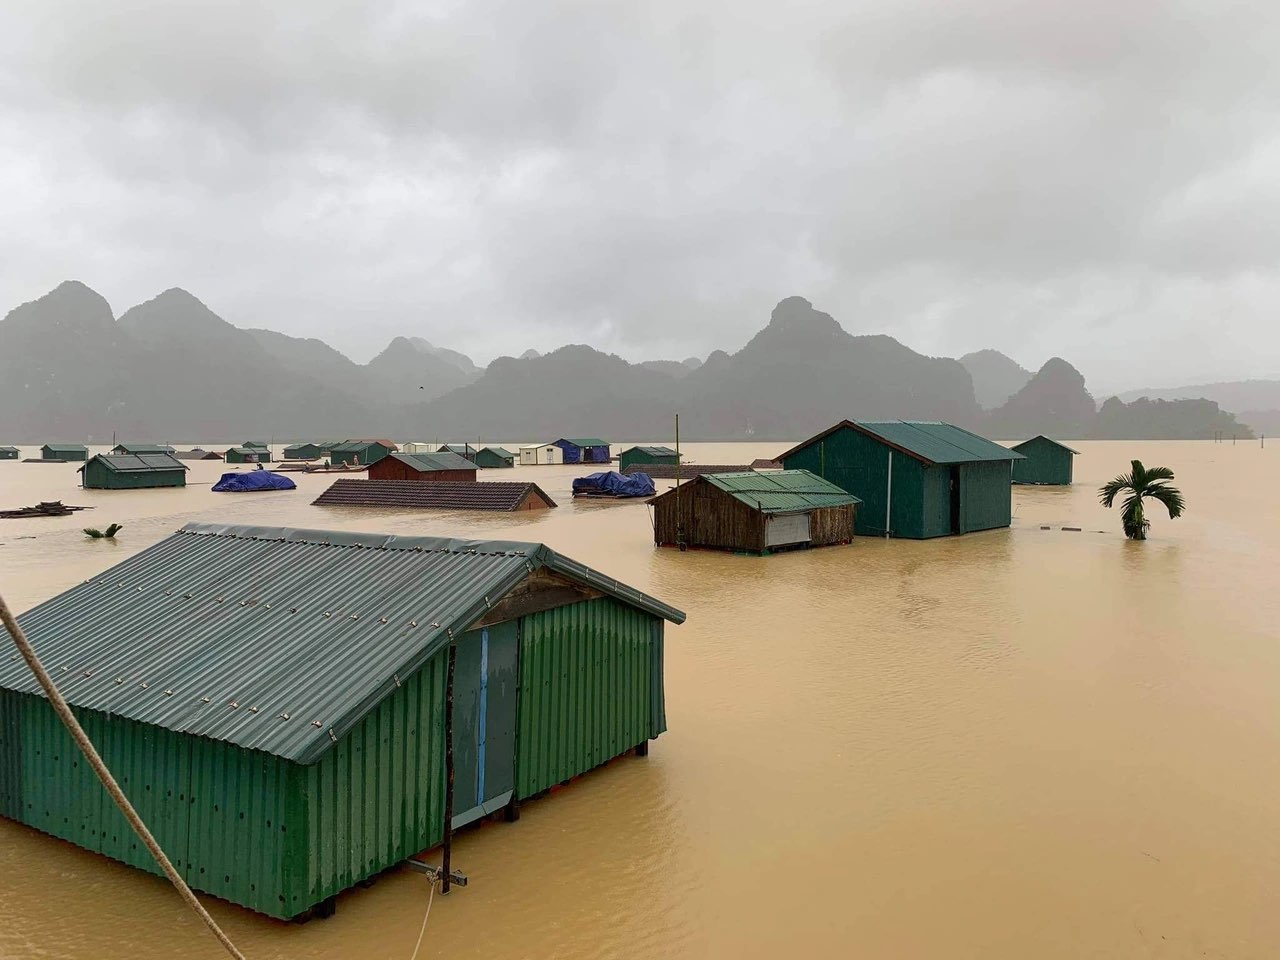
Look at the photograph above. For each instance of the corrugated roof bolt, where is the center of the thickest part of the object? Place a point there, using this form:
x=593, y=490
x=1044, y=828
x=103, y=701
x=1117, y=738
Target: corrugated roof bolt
x=316, y=723
x=436, y=624
x=139, y=589
x=267, y=605
x=206, y=700
x=144, y=684
x=119, y=679
x=487, y=601
x=253, y=709
x=234, y=704
x=186, y=596
x=413, y=623
x=328, y=613
x=218, y=599
x=396, y=678
x=382, y=619
x=355, y=616
x=293, y=609
x=88, y=673
x=168, y=693
x=284, y=716
x=333, y=736
x=244, y=603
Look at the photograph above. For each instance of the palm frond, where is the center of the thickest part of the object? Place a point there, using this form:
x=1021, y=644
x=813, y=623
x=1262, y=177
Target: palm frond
x=1113, y=488
x=94, y=533
x=1159, y=473
x=1171, y=497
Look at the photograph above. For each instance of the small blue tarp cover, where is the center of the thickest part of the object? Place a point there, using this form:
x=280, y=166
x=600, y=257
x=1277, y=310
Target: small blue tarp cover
x=253, y=480
x=613, y=484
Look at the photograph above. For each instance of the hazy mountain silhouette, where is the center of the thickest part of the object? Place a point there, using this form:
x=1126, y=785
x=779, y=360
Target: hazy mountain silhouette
x=996, y=377
x=1231, y=395
x=1053, y=402
x=410, y=370
x=672, y=368
x=1145, y=419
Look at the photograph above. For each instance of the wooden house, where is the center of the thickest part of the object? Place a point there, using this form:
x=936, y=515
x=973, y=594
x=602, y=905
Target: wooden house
x=423, y=466
x=142, y=448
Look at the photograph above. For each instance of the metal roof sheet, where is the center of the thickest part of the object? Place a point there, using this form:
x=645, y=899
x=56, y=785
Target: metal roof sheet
x=930, y=441
x=587, y=442
x=1019, y=446
x=71, y=447
x=9, y=449
x=782, y=491
x=143, y=448
x=270, y=638
x=428, y=462
x=430, y=494
x=500, y=451
x=686, y=471
x=654, y=451
x=138, y=463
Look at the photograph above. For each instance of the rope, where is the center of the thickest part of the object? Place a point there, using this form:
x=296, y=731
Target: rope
x=86, y=746
x=421, y=933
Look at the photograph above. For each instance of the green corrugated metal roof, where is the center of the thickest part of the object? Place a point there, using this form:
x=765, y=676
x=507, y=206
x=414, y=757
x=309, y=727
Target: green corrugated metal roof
x=588, y=442
x=143, y=448
x=138, y=463
x=66, y=447
x=256, y=451
x=434, y=461
x=500, y=451
x=9, y=449
x=781, y=491
x=932, y=441
x=272, y=638
x=653, y=451
x=1019, y=446
x=255, y=443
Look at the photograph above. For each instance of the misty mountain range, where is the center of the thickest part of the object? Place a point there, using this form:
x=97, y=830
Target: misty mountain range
x=171, y=368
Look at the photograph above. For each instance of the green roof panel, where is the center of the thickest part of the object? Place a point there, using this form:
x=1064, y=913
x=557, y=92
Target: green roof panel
x=138, y=463
x=1042, y=437
x=781, y=491
x=428, y=462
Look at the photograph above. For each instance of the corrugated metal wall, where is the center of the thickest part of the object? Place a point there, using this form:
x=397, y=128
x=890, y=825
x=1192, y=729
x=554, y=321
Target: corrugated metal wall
x=1046, y=463
x=590, y=686
x=986, y=497
x=99, y=477
x=378, y=796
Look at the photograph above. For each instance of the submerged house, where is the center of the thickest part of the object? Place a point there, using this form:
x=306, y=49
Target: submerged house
x=460, y=449
x=64, y=451
x=648, y=456
x=1045, y=462
x=503, y=496
x=248, y=455
x=915, y=479
x=126, y=471
x=302, y=451
x=142, y=448
x=492, y=458
x=753, y=512
x=361, y=452
x=198, y=453
x=9, y=453
x=423, y=466
x=540, y=453
x=418, y=446
x=274, y=700
x=583, y=450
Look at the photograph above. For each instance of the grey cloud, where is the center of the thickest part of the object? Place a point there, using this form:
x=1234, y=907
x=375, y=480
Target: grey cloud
x=1047, y=178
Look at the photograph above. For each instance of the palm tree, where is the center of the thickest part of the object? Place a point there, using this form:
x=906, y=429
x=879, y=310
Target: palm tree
x=1141, y=483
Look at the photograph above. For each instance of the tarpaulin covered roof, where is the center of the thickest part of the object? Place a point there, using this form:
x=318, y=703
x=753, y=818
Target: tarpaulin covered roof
x=610, y=483
x=251, y=481
x=272, y=638
x=587, y=442
x=138, y=463
x=781, y=491
x=931, y=442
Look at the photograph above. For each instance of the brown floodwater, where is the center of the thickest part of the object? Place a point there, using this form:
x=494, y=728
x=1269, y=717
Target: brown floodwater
x=1024, y=743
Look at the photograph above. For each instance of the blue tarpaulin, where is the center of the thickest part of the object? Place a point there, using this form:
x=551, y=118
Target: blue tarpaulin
x=253, y=480
x=613, y=484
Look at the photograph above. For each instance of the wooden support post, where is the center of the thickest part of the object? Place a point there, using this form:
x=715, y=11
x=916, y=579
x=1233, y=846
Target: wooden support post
x=642, y=749
x=448, y=770
x=511, y=812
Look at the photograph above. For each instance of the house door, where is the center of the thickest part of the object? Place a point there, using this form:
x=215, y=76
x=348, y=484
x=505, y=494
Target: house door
x=484, y=721
x=955, y=500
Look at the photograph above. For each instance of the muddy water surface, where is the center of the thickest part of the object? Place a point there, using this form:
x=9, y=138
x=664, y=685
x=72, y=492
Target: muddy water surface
x=1021, y=743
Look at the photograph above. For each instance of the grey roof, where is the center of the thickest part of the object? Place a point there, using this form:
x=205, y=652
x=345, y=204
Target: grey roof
x=430, y=494
x=654, y=451
x=929, y=441
x=9, y=449
x=686, y=471
x=272, y=638
x=138, y=463
x=73, y=447
x=143, y=448
x=429, y=462
x=1019, y=446
x=500, y=451
x=458, y=448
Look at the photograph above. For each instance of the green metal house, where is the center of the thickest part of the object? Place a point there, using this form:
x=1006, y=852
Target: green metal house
x=142, y=448
x=64, y=451
x=362, y=452
x=255, y=444
x=123, y=471
x=248, y=455
x=1046, y=462
x=9, y=453
x=495, y=458
x=915, y=479
x=274, y=700
x=636, y=456
x=302, y=451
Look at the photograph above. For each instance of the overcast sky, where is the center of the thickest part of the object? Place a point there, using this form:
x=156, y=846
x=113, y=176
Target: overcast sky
x=1098, y=180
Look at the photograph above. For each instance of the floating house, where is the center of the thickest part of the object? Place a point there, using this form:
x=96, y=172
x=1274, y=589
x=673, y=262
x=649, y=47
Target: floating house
x=248, y=455
x=274, y=701
x=361, y=452
x=915, y=479
x=64, y=451
x=502, y=496
x=460, y=449
x=302, y=451
x=424, y=466
x=142, y=448
x=9, y=453
x=1045, y=462
x=127, y=471
x=495, y=458
x=541, y=454
x=584, y=450
x=634, y=456
x=754, y=512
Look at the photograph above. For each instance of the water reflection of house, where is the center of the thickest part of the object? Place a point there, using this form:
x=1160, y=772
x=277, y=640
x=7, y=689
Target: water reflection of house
x=751, y=512
x=916, y=479
x=262, y=692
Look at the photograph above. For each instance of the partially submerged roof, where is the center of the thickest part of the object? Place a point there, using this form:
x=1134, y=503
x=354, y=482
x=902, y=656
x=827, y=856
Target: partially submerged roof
x=430, y=462
x=272, y=638
x=537, y=446
x=653, y=451
x=67, y=447
x=431, y=495
x=255, y=443
x=9, y=449
x=138, y=463
x=581, y=442
x=781, y=491
x=352, y=446
x=1042, y=437
x=929, y=441
x=685, y=471
x=248, y=451
x=500, y=451
x=459, y=448
x=143, y=447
